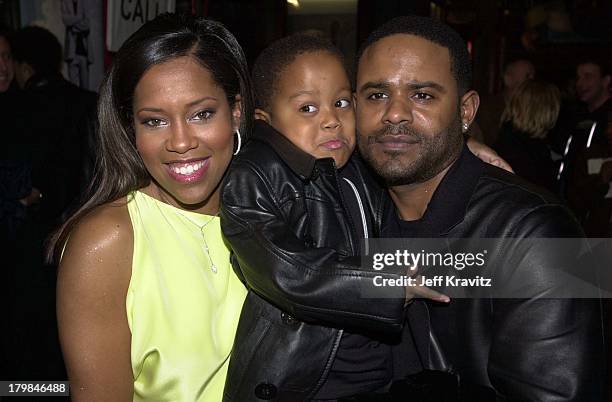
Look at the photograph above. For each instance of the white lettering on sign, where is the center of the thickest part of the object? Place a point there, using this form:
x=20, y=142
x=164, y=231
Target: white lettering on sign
x=124, y=17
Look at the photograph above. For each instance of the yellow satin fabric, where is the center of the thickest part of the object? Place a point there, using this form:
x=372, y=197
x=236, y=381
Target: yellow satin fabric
x=182, y=315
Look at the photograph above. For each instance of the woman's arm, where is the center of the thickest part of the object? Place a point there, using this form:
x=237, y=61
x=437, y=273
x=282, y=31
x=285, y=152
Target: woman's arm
x=93, y=278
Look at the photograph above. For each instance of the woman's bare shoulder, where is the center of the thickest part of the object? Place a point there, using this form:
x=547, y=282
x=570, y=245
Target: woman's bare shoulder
x=101, y=244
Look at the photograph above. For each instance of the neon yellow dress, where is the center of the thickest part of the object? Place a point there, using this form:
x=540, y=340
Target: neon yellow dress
x=183, y=303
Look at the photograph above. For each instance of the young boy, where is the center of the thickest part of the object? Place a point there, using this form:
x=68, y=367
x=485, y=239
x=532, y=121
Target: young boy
x=295, y=206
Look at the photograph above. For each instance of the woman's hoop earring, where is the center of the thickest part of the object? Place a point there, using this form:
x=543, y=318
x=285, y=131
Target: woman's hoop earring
x=239, y=142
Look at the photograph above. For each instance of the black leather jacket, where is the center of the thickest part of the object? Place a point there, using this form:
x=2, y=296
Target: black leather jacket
x=276, y=201
x=509, y=349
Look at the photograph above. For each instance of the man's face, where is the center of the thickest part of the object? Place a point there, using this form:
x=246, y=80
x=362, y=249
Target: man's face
x=7, y=69
x=408, y=109
x=517, y=73
x=591, y=86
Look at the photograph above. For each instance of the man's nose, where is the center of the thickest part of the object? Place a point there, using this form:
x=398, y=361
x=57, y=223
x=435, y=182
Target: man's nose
x=398, y=111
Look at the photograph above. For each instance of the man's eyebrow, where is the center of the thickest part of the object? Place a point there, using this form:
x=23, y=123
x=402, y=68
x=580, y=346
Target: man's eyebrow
x=375, y=85
x=426, y=84
x=412, y=85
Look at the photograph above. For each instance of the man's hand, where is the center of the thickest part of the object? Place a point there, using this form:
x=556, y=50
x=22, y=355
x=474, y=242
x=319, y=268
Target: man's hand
x=488, y=155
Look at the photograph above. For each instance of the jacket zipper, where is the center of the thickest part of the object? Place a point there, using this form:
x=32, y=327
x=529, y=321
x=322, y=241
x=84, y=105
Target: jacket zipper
x=364, y=221
x=332, y=355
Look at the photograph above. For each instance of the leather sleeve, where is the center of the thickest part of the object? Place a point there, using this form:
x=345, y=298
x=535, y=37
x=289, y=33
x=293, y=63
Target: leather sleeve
x=546, y=349
x=312, y=284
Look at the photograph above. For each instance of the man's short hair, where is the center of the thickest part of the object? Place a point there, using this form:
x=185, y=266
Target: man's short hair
x=39, y=48
x=604, y=65
x=274, y=59
x=433, y=31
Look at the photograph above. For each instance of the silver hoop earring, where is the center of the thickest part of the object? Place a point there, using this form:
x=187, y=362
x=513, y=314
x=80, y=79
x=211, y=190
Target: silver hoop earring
x=239, y=142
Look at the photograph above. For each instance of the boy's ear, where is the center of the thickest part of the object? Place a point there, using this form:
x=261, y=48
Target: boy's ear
x=262, y=115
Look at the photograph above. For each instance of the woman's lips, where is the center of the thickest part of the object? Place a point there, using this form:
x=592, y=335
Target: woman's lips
x=187, y=172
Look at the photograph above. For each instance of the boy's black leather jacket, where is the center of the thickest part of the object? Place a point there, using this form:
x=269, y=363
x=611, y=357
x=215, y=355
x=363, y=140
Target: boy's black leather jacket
x=276, y=201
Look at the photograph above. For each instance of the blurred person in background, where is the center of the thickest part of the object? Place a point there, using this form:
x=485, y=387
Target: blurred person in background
x=54, y=122
x=530, y=114
x=492, y=106
x=588, y=190
x=593, y=88
x=14, y=172
x=58, y=123
x=582, y=124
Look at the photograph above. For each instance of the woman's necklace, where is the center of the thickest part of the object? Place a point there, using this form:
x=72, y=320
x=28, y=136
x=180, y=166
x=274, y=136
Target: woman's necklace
x=213, y=266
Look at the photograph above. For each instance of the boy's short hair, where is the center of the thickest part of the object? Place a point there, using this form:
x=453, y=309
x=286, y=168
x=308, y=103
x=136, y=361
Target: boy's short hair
x=273, y=60
x=433, y=31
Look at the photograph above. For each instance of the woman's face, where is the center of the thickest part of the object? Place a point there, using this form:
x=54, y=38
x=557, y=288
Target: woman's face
x=184, y=133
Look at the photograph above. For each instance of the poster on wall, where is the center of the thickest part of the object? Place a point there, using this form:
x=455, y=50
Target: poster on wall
x=78, y=25
x=124, y=17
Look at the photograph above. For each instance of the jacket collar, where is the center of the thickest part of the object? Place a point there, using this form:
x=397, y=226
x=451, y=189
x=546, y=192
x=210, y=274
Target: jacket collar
x=302, y=163
x=450, y=201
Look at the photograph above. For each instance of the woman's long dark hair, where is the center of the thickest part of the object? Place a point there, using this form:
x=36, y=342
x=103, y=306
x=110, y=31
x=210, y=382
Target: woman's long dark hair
x=119, y=168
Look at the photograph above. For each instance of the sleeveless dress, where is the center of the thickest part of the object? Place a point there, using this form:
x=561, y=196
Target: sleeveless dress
x=182, y=310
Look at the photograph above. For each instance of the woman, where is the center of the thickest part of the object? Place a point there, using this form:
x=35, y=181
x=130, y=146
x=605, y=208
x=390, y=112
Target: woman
x=147, y=301
x=529, y=115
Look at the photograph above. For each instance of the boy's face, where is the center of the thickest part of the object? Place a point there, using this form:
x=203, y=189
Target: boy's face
x=313, y=107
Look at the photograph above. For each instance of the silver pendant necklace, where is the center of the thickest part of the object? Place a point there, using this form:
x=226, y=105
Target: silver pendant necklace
x=213, y=266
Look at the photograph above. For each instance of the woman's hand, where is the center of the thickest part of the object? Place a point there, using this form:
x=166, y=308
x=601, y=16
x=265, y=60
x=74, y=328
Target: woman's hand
x=419, y=291
x=487, y=154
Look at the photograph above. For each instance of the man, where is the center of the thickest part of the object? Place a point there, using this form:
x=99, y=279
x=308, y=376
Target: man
x=582, y=126
x=58, y=122
x=54, y=127
x=413, y=102
x=593, y=85
x=489, y=115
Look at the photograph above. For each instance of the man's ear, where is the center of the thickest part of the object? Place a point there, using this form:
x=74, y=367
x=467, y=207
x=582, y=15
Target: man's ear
x=261, y=114
x=469, y=106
